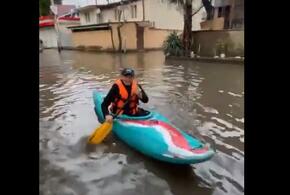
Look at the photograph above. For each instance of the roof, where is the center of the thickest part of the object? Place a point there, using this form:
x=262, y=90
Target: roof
x=62, y=9
x=87, y=7
x=69, y=18
x=107, y=6
x=91, y=28
x=108, y=23
x=48, y=21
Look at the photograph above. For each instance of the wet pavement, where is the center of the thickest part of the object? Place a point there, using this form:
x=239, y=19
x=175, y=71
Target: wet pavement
x=201, y=98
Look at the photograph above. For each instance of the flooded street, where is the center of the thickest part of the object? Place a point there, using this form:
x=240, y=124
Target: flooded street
x=197, y=97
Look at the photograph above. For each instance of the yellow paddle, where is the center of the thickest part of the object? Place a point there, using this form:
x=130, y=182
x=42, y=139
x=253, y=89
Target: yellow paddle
x=101, y=132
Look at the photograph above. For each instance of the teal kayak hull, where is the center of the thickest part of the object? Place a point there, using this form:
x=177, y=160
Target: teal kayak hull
x=154, y=136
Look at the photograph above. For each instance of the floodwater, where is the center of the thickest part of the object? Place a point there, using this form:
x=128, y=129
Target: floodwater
x=201, y=98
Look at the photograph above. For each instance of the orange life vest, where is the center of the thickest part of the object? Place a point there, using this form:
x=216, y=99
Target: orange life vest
x=118, y=104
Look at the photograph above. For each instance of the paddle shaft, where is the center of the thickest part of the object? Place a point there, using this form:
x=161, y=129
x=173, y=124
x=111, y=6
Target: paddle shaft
x=117, y=114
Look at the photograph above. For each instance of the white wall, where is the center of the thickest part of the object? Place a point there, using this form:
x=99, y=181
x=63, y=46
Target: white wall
x=65, y=34
x=93, y=17
x=109, y=14
x=165, y=15
x=48, y=36
x=168, y=16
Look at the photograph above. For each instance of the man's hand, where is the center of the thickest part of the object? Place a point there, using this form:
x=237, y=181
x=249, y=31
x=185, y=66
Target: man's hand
x=109, y=118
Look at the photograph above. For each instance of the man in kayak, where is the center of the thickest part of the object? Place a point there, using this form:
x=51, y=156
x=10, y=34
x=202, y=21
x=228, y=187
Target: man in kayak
x=118, y=99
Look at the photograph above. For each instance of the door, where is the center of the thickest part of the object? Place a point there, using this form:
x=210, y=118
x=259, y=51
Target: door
x=227, y=17
x=140, y=38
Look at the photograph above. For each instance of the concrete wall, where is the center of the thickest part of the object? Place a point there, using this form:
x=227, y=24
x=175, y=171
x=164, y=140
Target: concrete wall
x=93, y=39
x=48, y=36
x=128, y=34
x=154, y=38
x=233, y=39
x=102, y=38
x=66, y=34
x=215, y=24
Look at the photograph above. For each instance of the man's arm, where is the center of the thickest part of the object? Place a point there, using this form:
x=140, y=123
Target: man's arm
x=142, y=95
x=109, y=99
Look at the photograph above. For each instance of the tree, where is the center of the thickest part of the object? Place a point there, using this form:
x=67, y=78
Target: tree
x=44, y=7
x=186, y=6
x=208, y=8
x=120, y=11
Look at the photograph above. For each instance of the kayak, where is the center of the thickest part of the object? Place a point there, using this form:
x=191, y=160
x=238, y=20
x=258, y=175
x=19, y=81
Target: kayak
x=154, y=136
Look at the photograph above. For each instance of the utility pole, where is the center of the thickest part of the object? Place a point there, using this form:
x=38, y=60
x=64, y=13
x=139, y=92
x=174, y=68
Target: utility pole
x=56, y=27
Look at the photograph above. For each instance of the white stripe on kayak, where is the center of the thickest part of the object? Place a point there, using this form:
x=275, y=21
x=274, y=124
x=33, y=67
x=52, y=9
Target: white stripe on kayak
x=172, y=148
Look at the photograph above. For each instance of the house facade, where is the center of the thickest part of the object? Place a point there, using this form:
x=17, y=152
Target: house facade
x=224, y=30
x=160, y=13
x=130, y=25
x=227, y=14
x=53, y=28
x=47, y=32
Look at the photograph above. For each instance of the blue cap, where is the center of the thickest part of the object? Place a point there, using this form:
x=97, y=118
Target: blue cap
x=128, y=72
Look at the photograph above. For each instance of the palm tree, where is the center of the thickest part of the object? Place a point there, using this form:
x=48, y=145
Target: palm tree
x=186, y=6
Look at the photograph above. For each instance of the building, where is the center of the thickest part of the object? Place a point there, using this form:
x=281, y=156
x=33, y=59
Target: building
x=227, y=14
x=224, y=32
x=129, y=25
x=237, y=21
x=160, y=13
x=53, y=31
x=47, y=33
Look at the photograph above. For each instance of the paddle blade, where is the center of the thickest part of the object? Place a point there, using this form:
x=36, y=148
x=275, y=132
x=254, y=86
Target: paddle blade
x=100, y=133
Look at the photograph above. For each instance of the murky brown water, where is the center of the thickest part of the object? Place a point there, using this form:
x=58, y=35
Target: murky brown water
x=200, y=97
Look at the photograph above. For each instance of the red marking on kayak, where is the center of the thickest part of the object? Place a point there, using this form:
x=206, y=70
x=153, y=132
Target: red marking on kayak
x=200, y=150
x=177, y=138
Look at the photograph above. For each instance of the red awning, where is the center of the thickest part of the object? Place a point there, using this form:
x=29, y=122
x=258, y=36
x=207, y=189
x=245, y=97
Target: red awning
x=47, y=21
x=69, y=18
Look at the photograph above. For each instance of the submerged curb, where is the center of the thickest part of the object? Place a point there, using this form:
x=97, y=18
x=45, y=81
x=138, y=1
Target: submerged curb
x=208, y=59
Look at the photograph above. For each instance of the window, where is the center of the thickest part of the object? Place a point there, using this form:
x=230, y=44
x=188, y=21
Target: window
x=99, y=18
x=134, y=11
x=220, y=12
x=87, y=16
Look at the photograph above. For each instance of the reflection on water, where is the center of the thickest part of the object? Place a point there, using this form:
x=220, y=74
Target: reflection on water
x=200, y=98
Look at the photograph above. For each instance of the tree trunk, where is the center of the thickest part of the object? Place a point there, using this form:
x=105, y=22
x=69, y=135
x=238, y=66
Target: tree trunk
x=120, y=37
x=208, y=8
x=119, y=31
x=112, y=38
x=187, y=33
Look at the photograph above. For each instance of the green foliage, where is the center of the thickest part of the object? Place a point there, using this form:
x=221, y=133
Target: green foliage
x=220, y=47
x=173, y=46
x=44, y=7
